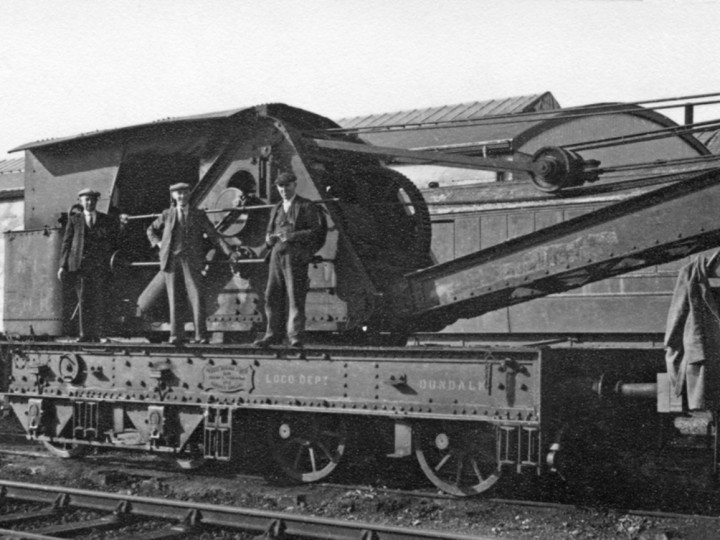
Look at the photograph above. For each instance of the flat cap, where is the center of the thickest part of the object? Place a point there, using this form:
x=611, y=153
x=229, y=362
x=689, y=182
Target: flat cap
x=87, y=192
x=285, y=178
x=179, y=186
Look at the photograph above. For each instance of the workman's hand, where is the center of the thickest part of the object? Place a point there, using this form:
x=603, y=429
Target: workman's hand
x=159, y=245
x=271, y=239
x=242, y=253
x=60, y=273
x=124, y=219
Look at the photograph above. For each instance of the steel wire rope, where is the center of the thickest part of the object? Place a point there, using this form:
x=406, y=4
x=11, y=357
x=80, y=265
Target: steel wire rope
x=622, y=183
x=632, y=181
x=533, y=116
x=593, y=110
x=648, y=136
x=645, y=135
x=514, y=118
x=658, y=163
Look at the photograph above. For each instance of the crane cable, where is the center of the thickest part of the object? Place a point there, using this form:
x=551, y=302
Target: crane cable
x=660, y=164
x=533, y=116
x=643, y=136
x=593, y=110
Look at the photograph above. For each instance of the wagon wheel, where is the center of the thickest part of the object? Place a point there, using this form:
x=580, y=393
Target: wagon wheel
x=459, y=459
x=190, y=458
x=189, y=463
x=66, y=450
x=308, y=447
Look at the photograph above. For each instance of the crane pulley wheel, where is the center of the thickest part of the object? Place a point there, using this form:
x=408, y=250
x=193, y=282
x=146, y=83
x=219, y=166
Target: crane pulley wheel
x=554, y=168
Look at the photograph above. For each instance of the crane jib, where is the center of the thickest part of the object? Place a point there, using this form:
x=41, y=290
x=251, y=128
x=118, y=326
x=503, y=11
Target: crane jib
x=657, y=227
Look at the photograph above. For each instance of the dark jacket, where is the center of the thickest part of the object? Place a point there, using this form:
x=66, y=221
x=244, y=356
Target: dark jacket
x=82, y=248
x=197, y=224
x=307, y=231
x=692, y=336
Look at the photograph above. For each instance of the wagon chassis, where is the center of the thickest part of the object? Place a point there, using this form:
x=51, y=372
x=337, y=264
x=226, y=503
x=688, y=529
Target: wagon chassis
x=190, y=402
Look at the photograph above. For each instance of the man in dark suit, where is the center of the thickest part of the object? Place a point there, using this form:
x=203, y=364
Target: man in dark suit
x=178, y=232
x=89, y=241
x=296, y=231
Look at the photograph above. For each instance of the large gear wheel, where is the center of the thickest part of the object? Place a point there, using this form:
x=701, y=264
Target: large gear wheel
x=402, y=212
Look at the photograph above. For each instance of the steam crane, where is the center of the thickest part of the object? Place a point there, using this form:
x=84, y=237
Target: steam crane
x=651, y=228
x=468, y=415
x=374, y=277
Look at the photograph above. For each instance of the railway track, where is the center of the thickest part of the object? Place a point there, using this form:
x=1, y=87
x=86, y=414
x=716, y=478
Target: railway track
x=176, y=519
x=122, y=513
x=160, y=469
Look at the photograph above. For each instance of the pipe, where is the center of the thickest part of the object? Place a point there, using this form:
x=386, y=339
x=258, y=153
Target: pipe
x=637, y=390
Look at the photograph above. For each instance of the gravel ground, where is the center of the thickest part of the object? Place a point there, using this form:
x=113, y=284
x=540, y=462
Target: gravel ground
x=479, y=516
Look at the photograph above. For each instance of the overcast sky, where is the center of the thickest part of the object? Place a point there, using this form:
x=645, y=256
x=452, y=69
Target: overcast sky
x=72, y=66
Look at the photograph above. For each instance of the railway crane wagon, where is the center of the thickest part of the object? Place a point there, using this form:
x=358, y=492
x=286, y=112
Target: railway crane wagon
x=469, y=415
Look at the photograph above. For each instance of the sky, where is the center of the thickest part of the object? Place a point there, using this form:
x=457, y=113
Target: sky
x=72, y=66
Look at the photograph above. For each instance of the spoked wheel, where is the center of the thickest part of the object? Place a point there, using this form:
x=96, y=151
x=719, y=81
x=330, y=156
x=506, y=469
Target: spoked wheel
x=308, y=447
x=460, y=459
x=66, y=450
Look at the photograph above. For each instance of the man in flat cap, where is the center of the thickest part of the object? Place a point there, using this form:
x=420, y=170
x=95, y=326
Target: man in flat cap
x=178, y=232
x=89, y=241
x=296, y=231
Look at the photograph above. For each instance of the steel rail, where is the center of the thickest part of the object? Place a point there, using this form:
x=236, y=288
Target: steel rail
x=215, y=515
x=426, y=494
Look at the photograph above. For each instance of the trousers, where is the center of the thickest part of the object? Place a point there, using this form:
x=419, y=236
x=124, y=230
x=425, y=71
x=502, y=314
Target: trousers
x=179, y=266
x=285, y=295
x=92, y=294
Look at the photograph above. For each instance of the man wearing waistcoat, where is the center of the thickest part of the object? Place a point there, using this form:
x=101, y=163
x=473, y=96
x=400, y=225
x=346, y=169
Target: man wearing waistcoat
x=178, y=232
x=88, y=244
x=296, y=231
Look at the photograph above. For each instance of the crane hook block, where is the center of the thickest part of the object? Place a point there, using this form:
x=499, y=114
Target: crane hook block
x=555, y=168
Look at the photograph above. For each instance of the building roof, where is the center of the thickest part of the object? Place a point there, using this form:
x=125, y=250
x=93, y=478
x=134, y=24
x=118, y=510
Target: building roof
x=14, y=165
x=300, y=118
x=447, y=113
x=465, y=133
x=101, y=132
x=12, y=176
x=461, y=111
